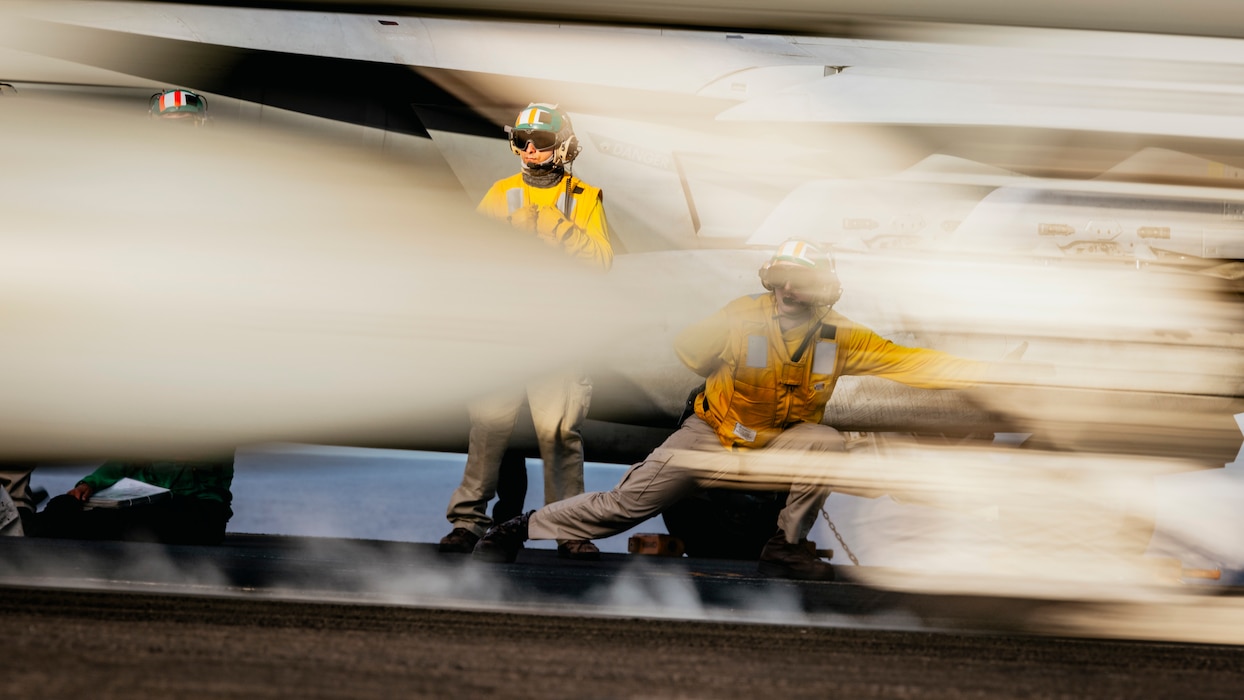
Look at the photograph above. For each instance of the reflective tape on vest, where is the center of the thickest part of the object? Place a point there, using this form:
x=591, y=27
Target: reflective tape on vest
x=757, y=351
x=561, y=204
x=823, y=360
x=514, y=198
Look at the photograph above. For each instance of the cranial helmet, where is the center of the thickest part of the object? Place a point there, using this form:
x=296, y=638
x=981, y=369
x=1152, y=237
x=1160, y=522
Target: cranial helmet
x=179, y=104
x=547, y=128
x=808, y=269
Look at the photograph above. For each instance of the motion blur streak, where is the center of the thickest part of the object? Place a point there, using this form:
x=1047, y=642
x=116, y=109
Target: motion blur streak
x=179, y=291
x=1063, y=202
x=357, y=572
x=1208, y=18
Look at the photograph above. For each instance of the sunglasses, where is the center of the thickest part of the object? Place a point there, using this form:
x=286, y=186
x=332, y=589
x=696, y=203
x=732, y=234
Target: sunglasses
x=542, y=140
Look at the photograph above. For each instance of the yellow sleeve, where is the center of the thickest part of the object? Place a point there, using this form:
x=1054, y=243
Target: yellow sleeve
x=589, y=239
x=869, y=353
x=494, y=204
x=704, y=346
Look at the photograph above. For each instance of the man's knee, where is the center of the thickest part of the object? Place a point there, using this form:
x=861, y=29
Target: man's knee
x=570, y=435
x=815, y=437
x=559, y=434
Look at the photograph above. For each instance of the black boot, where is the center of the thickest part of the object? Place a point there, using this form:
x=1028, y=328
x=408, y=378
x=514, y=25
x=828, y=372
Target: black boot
x=502, y=542
x=798, y=561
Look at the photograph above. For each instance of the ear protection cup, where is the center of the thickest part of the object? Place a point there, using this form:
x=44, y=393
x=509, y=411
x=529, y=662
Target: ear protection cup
x=570, y=148
x=764, y=276
x=830, y=295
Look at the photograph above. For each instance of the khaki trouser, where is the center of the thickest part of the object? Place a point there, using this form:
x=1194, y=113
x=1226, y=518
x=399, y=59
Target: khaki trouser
x=690, y=459
x=558, y=408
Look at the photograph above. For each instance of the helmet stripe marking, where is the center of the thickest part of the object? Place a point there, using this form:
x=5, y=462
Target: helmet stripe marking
x=168, y=100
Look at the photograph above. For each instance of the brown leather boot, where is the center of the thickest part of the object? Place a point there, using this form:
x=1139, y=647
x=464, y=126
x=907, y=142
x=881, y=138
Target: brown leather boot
x=578, y=550
x=460, y=541
x=798, y=561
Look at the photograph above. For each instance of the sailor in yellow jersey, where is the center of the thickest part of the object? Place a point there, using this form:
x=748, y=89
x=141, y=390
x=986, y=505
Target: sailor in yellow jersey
x=771, y=362
x=544, y=200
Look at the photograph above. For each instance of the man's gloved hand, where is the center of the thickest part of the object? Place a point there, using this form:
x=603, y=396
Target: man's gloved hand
x=546, y=222
x=552, y=227
x=524, y=218
x=1011, y=370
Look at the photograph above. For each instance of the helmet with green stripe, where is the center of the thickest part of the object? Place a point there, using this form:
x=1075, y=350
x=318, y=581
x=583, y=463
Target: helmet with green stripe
x=179, y=104
x=804, y=267
x=545, y=127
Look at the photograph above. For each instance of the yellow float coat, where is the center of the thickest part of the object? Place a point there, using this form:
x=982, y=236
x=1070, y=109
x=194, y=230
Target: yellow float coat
x=587, y=239
x=755, y=388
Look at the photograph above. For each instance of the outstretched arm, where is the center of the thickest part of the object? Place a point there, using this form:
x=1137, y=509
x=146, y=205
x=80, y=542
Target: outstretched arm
x=106, y=475
x=869, y=353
